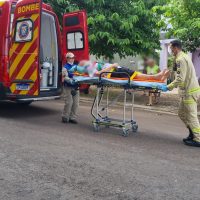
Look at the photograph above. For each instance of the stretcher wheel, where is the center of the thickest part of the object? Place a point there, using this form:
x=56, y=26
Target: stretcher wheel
x=134, y=128
x=96, y=127
x=125, y=132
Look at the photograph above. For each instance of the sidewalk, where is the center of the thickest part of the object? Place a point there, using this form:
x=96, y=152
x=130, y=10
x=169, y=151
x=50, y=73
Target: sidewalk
x=168, y=103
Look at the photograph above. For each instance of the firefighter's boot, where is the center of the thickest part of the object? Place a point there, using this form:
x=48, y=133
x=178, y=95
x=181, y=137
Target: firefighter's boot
x=193, y=143
x=190, y=136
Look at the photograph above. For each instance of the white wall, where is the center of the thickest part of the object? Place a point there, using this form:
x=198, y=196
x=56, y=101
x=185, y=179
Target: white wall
x=164, y=53
x=164, y=56
x=196, y=61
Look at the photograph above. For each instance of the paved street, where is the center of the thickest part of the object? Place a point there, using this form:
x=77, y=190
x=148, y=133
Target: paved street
x=42, y=159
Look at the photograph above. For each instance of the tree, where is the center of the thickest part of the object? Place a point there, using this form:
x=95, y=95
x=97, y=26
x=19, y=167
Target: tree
x=127, y=27
x=184, y=16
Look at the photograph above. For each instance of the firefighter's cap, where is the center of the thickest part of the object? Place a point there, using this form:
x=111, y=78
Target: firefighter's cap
x=70, y=55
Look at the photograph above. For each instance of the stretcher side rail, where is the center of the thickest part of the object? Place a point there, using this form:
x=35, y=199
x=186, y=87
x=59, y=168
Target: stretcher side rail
x=135, y=85
x=108, y=83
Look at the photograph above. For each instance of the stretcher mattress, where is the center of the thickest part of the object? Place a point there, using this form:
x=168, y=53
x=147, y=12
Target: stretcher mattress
x=125, y=83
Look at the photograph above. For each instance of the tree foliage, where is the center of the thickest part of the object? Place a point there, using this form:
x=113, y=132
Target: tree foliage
x=125, y=27
x=184, y=16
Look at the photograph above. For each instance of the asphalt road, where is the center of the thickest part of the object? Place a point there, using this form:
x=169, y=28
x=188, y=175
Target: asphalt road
x=42, y=159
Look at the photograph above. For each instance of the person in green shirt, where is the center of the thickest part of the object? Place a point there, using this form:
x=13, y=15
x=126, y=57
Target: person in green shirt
x=152, y=68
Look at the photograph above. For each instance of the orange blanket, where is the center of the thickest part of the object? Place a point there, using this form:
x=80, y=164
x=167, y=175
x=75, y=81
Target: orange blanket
x=135, y=79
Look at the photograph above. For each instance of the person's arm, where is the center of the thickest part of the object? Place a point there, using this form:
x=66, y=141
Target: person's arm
x=180, y=75
x=65, y=75
x=107, y=69
x=73, y=69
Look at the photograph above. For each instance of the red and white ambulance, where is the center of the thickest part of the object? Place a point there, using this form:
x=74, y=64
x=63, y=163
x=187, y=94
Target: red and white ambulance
x=32, y=49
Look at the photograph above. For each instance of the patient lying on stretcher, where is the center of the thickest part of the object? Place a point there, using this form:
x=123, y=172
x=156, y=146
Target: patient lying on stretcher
x=95, y=69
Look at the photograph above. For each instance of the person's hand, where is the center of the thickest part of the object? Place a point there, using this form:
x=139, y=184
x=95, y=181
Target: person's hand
x=165, y=88
x=74, y=92
x=73, y=82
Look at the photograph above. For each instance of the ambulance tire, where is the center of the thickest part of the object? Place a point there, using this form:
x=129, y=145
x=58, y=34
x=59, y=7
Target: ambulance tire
x=2, y=92
x=26, y=103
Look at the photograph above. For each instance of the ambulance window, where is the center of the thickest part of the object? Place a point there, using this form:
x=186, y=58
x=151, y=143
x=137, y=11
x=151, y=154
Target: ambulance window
x=72, y=21
x=70, y=41
x=75, y=41
x=79, y=40
x=24, y=30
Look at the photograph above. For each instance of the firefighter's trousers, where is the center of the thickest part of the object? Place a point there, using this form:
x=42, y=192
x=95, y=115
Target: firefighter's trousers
x=188, y=114
x=71, y=103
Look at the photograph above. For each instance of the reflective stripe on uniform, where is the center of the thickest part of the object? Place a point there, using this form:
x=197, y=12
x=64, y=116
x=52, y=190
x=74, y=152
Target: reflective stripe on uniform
x=196, y=130
x=181, y=84
x=189, y=101
x=194, y=90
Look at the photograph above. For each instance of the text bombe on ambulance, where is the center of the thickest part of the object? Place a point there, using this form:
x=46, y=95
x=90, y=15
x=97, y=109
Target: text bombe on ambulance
x=28, y=8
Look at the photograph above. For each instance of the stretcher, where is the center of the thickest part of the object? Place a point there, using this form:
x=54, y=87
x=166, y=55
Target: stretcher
x=100, y=111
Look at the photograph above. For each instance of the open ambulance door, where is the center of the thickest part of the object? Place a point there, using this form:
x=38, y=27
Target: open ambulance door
x=75, y=35
x=24, y=51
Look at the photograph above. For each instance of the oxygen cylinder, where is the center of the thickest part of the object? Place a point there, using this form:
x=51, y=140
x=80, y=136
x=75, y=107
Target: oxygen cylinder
x=50, y=75
x=45, y=72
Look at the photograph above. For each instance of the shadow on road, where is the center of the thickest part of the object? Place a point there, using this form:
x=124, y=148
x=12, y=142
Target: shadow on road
x=13, y=110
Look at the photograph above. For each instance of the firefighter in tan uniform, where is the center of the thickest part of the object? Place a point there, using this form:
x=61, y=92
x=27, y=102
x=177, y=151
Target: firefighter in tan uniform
x=70, y=92
x=189, y=92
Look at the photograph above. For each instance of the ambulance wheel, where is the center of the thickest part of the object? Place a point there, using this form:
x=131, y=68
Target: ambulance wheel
x=134, y=128
x=125, y=132
x=96, y=127
x=26, y=103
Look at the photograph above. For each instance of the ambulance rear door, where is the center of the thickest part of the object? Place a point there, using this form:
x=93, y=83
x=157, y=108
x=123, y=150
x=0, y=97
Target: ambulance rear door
x=24, y=51
x=75, y=35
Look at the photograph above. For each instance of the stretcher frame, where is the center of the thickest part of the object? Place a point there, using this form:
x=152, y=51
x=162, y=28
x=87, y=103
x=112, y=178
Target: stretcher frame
x=128, y=86
x=105, y=120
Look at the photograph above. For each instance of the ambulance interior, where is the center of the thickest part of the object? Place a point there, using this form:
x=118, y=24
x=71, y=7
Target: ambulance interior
x=48, y=53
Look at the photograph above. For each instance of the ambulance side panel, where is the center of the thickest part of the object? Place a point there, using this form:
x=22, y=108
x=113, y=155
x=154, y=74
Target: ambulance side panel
x=25, y=49
x=4, y=26
x=75, y=35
